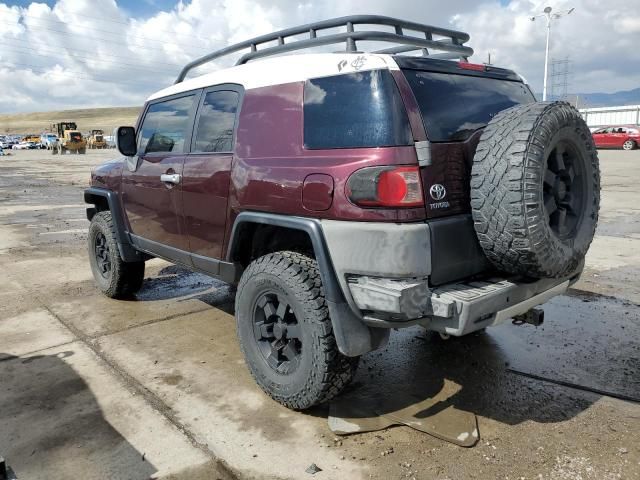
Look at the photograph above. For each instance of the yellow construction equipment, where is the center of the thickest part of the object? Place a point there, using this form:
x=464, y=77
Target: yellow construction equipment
x=96, y=139
x=70, y=138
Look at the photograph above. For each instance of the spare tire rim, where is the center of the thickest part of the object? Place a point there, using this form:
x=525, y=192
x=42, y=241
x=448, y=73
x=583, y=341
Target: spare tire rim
x=103, y=260
x=564, y=187
x=277, y=332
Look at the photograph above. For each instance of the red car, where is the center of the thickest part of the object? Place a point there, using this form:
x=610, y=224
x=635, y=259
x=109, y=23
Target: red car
x=626, y=137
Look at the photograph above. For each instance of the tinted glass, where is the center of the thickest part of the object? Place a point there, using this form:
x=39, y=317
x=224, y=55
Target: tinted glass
x=455, y=106
x=362, y=109
x=215, y=125
x=165, y=126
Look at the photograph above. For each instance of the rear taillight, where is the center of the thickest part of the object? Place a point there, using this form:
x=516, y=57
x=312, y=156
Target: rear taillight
x=472, y=66
x=386, y=187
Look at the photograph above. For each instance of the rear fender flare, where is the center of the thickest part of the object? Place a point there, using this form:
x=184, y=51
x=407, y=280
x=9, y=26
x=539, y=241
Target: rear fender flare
x=353, y=337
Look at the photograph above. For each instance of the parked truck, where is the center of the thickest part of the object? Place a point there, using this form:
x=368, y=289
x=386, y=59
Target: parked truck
x=70, y=138
x=49, y=141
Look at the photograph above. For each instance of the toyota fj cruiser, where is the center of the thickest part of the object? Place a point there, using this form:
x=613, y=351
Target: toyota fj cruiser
x=346, y=194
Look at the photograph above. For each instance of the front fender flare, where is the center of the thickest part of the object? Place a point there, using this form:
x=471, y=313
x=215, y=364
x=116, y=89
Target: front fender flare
x=98, y=196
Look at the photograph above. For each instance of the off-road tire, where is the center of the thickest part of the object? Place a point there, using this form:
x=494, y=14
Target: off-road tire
x=629, y=145
x=323, y=372
x=509, y=187
x=124, y=278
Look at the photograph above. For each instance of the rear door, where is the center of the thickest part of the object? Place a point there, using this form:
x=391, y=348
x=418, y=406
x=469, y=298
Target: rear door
x=152, y=190
x=455, y=106
x=207, y=168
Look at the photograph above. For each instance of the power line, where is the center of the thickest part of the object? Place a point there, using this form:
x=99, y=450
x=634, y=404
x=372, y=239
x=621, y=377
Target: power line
x=30, y=51
x=40, y=19
x=80, y=75
x=111, y=41
x=69, y=50
x=121, y=22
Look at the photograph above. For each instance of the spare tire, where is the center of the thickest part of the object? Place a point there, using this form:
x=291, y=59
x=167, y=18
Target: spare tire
x=535, y=189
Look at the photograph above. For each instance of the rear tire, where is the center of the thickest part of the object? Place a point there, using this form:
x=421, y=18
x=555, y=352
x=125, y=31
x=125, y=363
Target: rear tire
x=285, y=332
x=535, y=190
x=115, y=278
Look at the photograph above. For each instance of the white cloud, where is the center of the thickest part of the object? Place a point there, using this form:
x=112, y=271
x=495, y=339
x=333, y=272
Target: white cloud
x=90, y=53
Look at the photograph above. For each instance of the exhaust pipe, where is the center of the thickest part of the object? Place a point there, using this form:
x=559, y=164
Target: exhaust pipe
x=535, y=317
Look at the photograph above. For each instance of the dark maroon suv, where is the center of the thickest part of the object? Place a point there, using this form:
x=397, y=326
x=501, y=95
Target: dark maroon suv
x=347, y=194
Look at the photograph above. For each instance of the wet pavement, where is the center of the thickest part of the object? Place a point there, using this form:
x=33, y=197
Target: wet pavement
x=156, y=386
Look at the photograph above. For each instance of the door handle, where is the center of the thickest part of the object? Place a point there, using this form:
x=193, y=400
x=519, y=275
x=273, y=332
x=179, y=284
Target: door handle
x=170, y=178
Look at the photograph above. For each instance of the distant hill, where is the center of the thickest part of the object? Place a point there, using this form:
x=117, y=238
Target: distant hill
x=592, y=100
x=627, y=97
x=86, y=119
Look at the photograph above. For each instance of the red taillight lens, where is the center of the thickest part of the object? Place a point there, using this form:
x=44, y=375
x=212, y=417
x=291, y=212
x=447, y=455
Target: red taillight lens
x=386, y=187
x=472, y=66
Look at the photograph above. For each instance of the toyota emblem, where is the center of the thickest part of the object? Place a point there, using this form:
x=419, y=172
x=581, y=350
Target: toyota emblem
x=437, y=191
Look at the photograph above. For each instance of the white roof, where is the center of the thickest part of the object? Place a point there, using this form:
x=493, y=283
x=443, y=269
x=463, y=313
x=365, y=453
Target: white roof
x=284, y=69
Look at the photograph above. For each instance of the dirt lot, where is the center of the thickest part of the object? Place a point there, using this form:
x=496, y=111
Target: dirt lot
x=156, y=386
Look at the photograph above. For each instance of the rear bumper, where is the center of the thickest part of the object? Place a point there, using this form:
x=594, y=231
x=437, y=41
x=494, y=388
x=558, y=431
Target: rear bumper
x=398, y=275
x=461, y=308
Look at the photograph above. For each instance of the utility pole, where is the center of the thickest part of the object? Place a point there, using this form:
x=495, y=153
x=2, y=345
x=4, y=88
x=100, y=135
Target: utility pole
x=549, y=16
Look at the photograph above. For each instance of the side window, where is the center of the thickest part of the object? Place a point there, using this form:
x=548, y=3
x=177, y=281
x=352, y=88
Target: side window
x=214, y=132
x=165, y=126
x=362, y=109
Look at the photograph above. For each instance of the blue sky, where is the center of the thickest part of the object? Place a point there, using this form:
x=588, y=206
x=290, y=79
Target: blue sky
x=135, y=8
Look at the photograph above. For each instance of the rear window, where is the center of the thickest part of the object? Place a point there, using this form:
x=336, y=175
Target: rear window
x=455, y=106
x=362, y=109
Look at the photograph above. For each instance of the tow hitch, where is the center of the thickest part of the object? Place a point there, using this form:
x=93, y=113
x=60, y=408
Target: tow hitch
x=535, y=316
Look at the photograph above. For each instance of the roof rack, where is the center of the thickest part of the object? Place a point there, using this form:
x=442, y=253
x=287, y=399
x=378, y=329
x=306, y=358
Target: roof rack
x=450, y=46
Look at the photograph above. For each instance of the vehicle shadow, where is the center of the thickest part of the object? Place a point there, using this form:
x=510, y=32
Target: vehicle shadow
x=181, y=284
x=420, y=373
x=52, y=424
x=474, y=374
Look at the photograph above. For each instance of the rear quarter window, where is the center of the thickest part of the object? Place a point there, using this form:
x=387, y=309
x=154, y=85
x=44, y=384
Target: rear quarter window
x=362, y=109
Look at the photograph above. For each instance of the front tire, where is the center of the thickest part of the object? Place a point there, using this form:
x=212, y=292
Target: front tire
x=629, y=145
x=115, y=277
x=285, y=332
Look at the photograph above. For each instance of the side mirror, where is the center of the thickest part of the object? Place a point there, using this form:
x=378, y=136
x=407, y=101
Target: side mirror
x=126, y=141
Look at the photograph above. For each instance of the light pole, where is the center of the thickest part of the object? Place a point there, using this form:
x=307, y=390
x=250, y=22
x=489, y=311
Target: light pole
x=547, y=14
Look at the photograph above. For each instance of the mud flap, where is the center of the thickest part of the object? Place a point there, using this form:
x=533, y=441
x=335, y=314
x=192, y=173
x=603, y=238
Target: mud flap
x=353, y=337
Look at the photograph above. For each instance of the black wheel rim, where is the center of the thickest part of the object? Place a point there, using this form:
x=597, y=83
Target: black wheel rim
x=277, y=332
x=564, y=188
x=101, y=249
